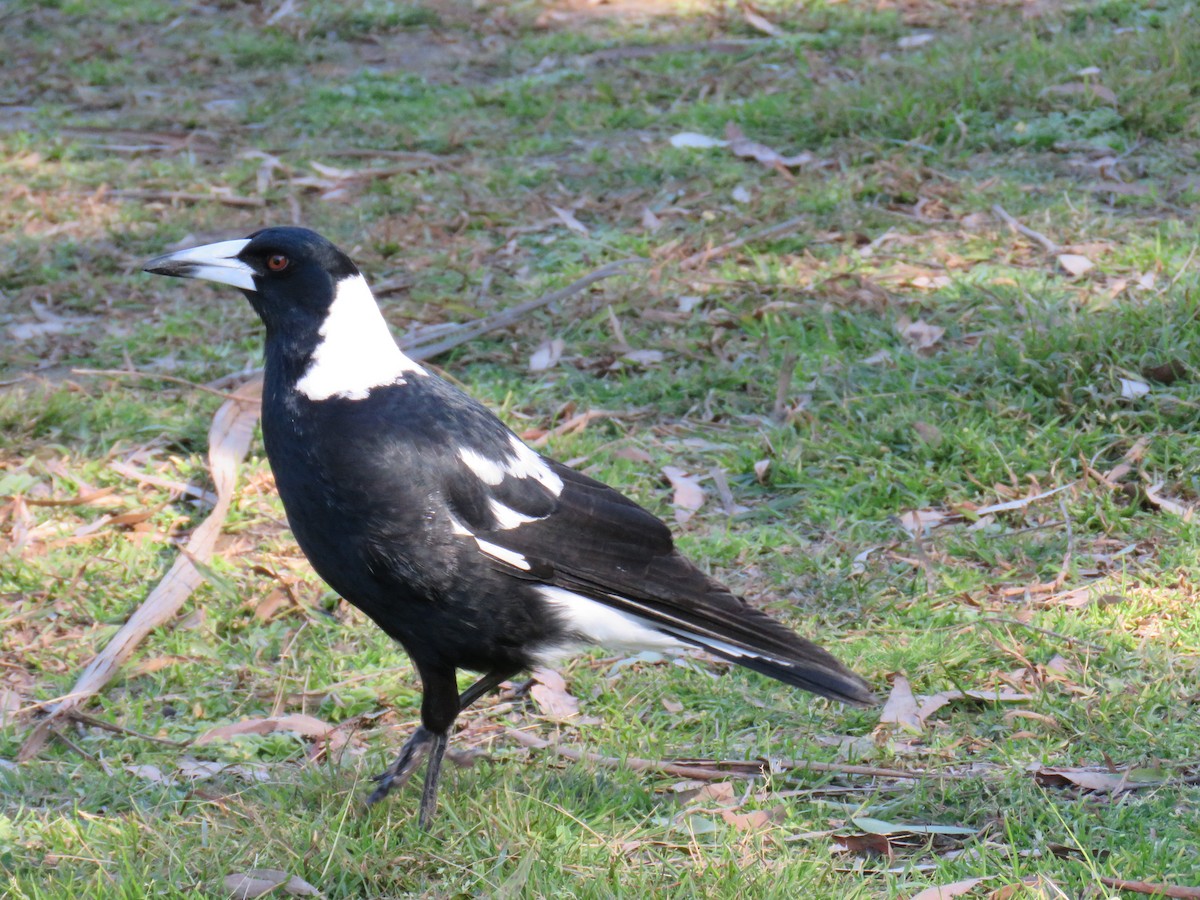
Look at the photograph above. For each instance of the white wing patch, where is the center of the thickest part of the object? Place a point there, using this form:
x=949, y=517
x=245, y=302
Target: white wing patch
x=524, y=463
x=357, y=351
x=506, y=517
x=502, y=553
x=529, y=465
x=593, y=622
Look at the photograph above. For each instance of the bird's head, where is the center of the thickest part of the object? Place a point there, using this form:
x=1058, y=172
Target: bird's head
x=290, y=275
x=325, y=333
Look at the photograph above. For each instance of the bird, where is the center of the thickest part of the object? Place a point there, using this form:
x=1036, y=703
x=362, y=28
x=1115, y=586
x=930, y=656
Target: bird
x=419, y=506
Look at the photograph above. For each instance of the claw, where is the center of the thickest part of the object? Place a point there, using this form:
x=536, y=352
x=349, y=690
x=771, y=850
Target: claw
x=397, y=774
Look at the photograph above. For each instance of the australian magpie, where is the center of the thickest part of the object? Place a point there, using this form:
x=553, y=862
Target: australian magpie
x=420, y=507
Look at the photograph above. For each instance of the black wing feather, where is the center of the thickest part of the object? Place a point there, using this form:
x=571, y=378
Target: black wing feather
x=597, y=542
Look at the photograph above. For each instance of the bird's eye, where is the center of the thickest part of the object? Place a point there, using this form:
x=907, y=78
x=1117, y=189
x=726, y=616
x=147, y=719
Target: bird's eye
x=278, y=262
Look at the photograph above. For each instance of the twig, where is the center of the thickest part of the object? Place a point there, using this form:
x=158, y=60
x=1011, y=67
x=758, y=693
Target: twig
x=642, y=51
x=186, y=197
x=708, y=773
x=1002, y=620
x=1150, y=887
x=1048, y=245
x=415, y=344
x=783, y=386
x=92, y=721
x=418, y=159
x=714, y=253
x=157, y=376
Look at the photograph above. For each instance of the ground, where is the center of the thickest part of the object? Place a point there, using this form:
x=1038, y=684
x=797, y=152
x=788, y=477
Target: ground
x=911, y=362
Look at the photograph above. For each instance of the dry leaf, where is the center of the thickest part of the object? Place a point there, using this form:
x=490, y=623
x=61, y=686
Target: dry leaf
x=692, y=140
x=1166, y=504
x=689, y=496
x=919, y=521
x=303, y=725
x=740, y=145
x=260, y=882
x=759, y=23
x=568, y=218
x=650, y=221
x=1074, y=264
x=756, y=820
x=931, y=704
x=946, y=891
x=919, y=335
x=229, y=440
x=547, y=355
x=912, y=41
x=762, y=469
x=901, y=707
x=1131, y=389
x=1097, y=780
x=550, y=694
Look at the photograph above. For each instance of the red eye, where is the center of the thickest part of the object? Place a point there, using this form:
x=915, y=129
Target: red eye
x=278, y=262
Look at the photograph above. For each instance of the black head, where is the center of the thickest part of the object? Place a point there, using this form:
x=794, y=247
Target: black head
x=290, y=275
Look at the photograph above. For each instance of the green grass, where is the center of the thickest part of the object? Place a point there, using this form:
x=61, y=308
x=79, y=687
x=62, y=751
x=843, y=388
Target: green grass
x=1082, y=599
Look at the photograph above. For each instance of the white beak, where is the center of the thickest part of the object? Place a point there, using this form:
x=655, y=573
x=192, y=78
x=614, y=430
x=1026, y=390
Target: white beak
x=212, y=262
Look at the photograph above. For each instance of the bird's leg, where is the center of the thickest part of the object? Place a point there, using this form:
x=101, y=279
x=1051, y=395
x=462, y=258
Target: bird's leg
x=437, y=749
x=425, y=742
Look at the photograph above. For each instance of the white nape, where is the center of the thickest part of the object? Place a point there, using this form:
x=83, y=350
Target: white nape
x=357, y=351
x=595, y=623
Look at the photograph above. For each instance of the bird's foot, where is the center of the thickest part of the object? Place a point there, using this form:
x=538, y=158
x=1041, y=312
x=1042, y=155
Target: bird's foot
x=397, y=774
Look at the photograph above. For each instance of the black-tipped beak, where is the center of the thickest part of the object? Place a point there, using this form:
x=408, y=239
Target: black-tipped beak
x=212, y=262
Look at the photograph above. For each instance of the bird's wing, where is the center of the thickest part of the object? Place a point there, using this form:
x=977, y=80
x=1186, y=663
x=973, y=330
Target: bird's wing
x=561, y=528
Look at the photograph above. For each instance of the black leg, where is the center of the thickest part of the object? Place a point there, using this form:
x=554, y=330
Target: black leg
x=437, y=749
x=430, y=741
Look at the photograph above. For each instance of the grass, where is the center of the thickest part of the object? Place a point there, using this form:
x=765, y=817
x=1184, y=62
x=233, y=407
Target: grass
x=1083, y=599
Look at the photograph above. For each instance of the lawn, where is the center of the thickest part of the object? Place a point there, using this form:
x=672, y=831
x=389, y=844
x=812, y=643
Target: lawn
x=911, y=361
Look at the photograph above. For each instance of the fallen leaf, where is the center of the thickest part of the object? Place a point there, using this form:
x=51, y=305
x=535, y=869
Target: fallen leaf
x=760, y=23
x=1085, y=88
x=861, y=844
x=1131, y=389
x=762, y=469
x=650, y=221
x=946, y=891
x=150, y=773
x=919, y=335
x=871, y=825
x=931, y=704
x=1074, y=264
x=740, y=145
x=1166, y=504
x=912, y=41
x=643, y=357
x=692, y=140
x=689, y=496
x=755, y=820
x=901, y=707
x=259, y=882
x=1097, y=780
x=550, y=694
x=568, y=218
x=920, y=521
x=547, y=355
x=303, y=725
x=1166, y=373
